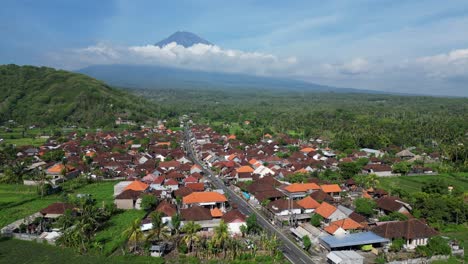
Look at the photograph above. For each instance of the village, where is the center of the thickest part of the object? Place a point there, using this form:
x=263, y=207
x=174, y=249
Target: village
x=202, y=186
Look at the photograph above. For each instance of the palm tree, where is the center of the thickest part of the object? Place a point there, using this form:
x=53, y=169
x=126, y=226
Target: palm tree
x=160, y=228
x=134, y=235
x=191, y=237
x=243, y=229
x=221, y=235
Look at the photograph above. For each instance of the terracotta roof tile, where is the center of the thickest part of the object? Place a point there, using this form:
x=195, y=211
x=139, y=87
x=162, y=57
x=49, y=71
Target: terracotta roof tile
x=325, y=209
x=216, y=213
x=137, y=186
x=308, y=203
x=245, y=169
x=331, y=188
x=301, y=187
x=204, y=197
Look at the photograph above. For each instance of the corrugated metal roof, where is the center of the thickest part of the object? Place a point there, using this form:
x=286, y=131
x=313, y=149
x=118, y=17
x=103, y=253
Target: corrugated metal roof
x=354, y=239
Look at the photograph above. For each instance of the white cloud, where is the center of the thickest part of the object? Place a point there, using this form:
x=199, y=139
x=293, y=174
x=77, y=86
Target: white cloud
x=198, y=56
x=453, y=64
x=353, y=67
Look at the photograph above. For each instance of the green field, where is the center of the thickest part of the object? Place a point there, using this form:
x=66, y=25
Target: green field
x=111, y=236
x=18, y=251
x=414, y=183
x=18, y=201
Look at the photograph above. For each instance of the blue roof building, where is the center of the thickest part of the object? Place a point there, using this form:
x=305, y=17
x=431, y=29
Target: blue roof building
x=352, y=240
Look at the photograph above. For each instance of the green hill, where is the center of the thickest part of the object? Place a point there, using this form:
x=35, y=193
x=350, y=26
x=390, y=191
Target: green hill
x=45, y=96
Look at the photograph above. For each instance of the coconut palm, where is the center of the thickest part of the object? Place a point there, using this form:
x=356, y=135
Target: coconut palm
x=221, y=235
x=191, y=237
x=160, y=228
x=134, y=235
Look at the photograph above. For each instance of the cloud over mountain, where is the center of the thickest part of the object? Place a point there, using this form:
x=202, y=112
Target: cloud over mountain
x=199, y=57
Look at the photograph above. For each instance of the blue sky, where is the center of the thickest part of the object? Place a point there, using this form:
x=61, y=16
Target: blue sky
x=405, y=46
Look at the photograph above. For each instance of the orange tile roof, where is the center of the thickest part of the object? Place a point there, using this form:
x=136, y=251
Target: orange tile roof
x=58, y=168
x=216, y=212
x=366, y=195
x=301, y=171
x=195, y=166
x=325, y=209
x=232, y=156
x=301, y=187
x=232, y=137
x=204, y=197
x=163, y=144
x=331, y=229
x=330, y=188
x=137, y=186
x=346, y=224
x=308, y=203
x=267, y=135
x=245, y=169
x=253, y=161
x=307, y=150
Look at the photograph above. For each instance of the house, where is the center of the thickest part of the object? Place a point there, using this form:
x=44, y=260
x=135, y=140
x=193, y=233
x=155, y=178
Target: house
x=128, y=199
x=245, y=169
x=263, y=171
x=205, y=199
x=56, y=210
x=413, y=231
x=167, y=209
x=137, y=186
x=389, y=204
x=196, y=169
x=234, y=219
x=405, y=154
x=333, y=190
x=299, y=190
x=321, y=196
x=352, y=241
x=308, y=204
x=159, y=249
x=343, y=226
x=60, y=170
x=380, y=170
x=244, y=176
x=171, y=184
x=329, y=212
x=284, y=207
x=344, y=257
x=200, y=215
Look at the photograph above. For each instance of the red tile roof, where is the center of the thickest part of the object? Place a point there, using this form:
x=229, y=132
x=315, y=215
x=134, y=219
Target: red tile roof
x=137, y=186
x=330, y=188
x=325, y=209
x=204, y=197
x=308, y=203
x=301, y=187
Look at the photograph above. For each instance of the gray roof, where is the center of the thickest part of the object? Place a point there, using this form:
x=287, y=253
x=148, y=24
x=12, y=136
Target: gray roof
x=345, y=255
x=345, y=210
x=354, y=239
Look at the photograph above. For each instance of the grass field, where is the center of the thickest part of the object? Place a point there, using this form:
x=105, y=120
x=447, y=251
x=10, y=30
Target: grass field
x=18, y=201
x=17, y=251
x=111, y=236
x=414, y=183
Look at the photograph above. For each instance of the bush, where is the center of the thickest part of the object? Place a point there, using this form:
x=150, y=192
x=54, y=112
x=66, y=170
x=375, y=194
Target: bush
x=316, y=220
x=365, y=206
x=397, y=244
x=183, y=248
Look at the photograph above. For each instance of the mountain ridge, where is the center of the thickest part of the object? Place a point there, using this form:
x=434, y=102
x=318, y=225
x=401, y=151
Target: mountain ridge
x=183, y=38
x=151, y=76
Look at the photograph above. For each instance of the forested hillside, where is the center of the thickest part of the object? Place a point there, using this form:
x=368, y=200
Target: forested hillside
x=45, y=96
x=349, y=121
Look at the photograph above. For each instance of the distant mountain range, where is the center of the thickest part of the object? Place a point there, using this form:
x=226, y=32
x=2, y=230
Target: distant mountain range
x=149, y=76
x=184, y=38
x=159, y=77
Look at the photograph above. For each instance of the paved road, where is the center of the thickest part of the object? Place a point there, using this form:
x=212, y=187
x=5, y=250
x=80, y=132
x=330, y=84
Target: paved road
x=289, y=248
